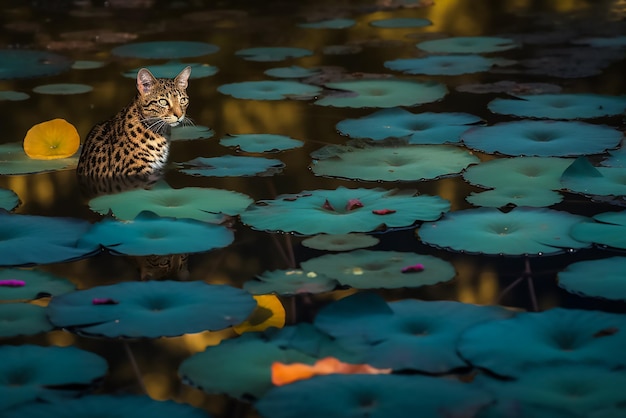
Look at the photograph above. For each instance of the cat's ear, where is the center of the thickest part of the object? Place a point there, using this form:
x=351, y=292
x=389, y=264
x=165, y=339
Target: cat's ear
x=145, y=81
x=182, y=77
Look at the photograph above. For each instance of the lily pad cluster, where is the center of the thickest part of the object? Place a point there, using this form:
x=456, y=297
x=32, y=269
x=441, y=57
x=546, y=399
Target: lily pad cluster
x=261, y=142
x=231, y=166
x=560, y=106
x=268, y=90
x=17, y=63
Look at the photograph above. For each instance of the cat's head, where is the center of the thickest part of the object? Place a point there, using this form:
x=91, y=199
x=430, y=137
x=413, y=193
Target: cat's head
x=163, y=99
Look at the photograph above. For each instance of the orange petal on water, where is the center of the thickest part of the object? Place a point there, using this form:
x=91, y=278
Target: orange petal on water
x=283, y=374
x=50, y=140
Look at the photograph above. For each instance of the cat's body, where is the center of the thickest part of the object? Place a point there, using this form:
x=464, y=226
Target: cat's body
x=135, y=142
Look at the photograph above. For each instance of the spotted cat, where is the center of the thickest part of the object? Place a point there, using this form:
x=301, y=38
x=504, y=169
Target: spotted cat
x=135, y=142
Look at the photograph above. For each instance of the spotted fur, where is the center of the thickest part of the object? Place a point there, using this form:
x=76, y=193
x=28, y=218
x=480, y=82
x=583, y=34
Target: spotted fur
x=135, y=142
x=155, y=267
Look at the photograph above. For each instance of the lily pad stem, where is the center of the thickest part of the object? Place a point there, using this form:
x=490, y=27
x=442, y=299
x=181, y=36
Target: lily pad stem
x=133, y=362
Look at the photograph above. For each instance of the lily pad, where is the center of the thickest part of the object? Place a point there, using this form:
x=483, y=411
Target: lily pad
x=19, y=63
x=582, y=177
x=343, y=210
x=152, y=235
x=522, y=231
x=560, y=106
x=268, y=54
x=340, y=242
x=542, y=138
x=468, y=45
x=173, y=68
x=515, y=195
x=13, y=160
x=184, y=133
x=365, y=269
x=63, y=89
x=384, y=92
x=20, y=319
x=443, y=64
x=329, y=24
x=202, y=204
x=230, y=166
x=291, y=72
x=268, y=90
x=30, y=239
x=150, y=309
x=87, y=65
x=509, y=347
x=261, y=142
x=607, y=229
x=21, y=284
x=51, y=140
x=13, y=96
x=290, y=282
x=374, y=396
x=165, y=50
x=401, y=22
x=398, y=163
x=416, y=128
x=602, y=278
x=31, y=372
x=108, y=406
x=8, y=199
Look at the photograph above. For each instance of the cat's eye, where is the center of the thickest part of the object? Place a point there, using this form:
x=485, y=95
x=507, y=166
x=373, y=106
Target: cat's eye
x=183, y=100
x=163, y=102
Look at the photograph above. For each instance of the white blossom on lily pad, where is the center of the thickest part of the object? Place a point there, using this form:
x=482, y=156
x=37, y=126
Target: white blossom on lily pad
x=383, y=92
x=165, y=49
x=261, y=142
x=582, y=177
x=13, y=160
x=443, y=64
x=416, y=128
x=522, y=231
x=231, y=166
x=340, y=242
x=560, y=106
x=397, y=163
x=343, y=210
x=603, y=278
x=268, y=90
x=267, y=54
x=608, y=229
x=468, y=45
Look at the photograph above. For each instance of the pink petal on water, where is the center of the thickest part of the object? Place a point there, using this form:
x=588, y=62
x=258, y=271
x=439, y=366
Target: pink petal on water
x=104, y=301
x=354, y=204
x=12, y=283
x=413, y=269
x=328, y=206
x=383, y=211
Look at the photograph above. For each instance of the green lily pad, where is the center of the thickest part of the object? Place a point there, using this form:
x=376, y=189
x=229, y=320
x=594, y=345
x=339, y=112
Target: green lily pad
x=385, y=92
x=184, y=133
x=607, y=229
x=165, y=50
x=290, y=282
x=21, y=63
x=14, y=96
x=343, y=210
x=602, y=278
x=416, y=128
x=522, y=231
x=398, y=163
x=329, y=24
x=443, y=64
x=36, y=284
x=617, y=158
x=294, y=71
x=468, y=45
x=515, y=195
x=543, y=138
x=31, y=372
x=151, y=235
x=150, y=309
x=230, y=166
x=268, y=90
x=365, y=269
x=340, y=242
x=173, y=68
x=582, y=177
x=560, y=106
x=19, y=319
x=108, y=406
x=8, y=199
x=202, y=204
x=63, y=89
x=261, y=142
x=401, y=22
x=87, y=65
x=268, y=54
x=13, y=160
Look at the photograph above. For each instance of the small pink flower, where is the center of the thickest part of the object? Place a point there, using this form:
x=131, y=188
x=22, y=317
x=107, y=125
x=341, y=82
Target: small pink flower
x=328, y=206
x=104, y=301
x=383, y=211
x=354, y=204
x=413, y=269
x=12, y=283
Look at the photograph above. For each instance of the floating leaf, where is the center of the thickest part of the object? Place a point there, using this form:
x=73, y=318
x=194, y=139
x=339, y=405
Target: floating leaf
x=151, y=309
x=261, y=142
x=515, y=195
x=19, y=63
x=340, y=242
x=13, y=160
x=51, y=140
x=183, y=133
x=173, y=68
x=290, y=282
x=607, y=228
x=63, y=89
x=582, y=177
x=8, y=199
x=401, y=22
x=87, y=65
x=268, y=313
x=268, y=90
x=560, y=106
x=13, y=95
x=165, y=50
x=267, y=54
x=443, y=64
x=36, y=284
x=468, y=45
x=230, y=166
x=291, y=72
x=329, y=24
x=20, y=319
x=602, y=278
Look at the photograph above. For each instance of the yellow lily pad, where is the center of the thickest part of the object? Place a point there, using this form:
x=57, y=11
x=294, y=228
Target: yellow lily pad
x=53, y=139
x=268, y=313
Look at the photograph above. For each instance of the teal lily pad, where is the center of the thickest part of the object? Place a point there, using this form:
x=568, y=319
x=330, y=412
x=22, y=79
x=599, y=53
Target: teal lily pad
x=290, y=282
x=340, y=242
x=509, y=347
x=522, y=231
x=20, y=319
x=150, y=309
x=227, y=367
x=366, y=269
x=30, y=239
x=404, y=335
x=261, y=142
x=384, y=92
x=152, y=235
x=398, y=163
x=468, y=45
x=269, y=54
x=202, y=204
x=21, y=284
x=443, y=64
x=343, y=210
x=515, y=195
x=108, y=406
x=13, y=160
x=231, y=166
x=173, y=68
x=268, y=90
x=602, y=278
x=63, y=89
x=338, y=23
x=165, y=50
x=31, y=372
x=294, y=71
x=564, y=390
x=14, y=96
x=184, y=133
x=560, y=106
x=8, y=199
x=21, y=63
x=87, y=65
x=374, y=396
x=542, y=138
x=608, y=229
x=582, y=177
x=617, y=158
x=416, y=128
x=401, y=22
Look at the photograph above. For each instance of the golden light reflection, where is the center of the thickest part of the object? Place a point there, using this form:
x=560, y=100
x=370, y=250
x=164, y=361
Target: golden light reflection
x=195, y=343
x=253, y=116
x=61, y=338
x=477, y=284
x=158, y=385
